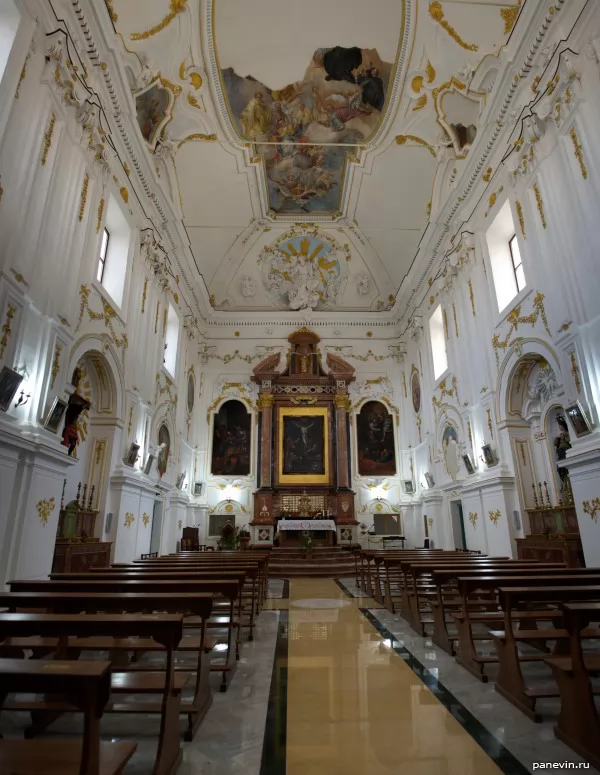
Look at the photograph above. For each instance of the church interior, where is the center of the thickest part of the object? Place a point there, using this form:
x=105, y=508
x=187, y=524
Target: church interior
x=297, y=478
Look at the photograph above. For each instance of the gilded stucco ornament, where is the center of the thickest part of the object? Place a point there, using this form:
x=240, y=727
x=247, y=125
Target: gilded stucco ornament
x=44, y=509
x=437, y=14
x=47, y=139
x=592, y=509
x=494, y=516
x=515, y=319
x=7, y=328
x=107, y=316
x=129, y=519
x=55, y=364
x=473, y=518
x=175, y=8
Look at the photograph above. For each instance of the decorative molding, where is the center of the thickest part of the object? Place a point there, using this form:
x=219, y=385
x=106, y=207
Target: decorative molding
x=166, y=389
x=455, y=320
x=473, y=518
x=592, y=508
x=130, y=422
x=22, y=77
x=469, y=433
x=495, y=516
x=509, y=16
x=145, y=519
x=342, y=401
x=540, y=204
x=266, y=400
x=129, y=519
x=6, y=329
x=144, y=293
x=179, y=523
x=156, y=318
x=437, y=14
x=44, y=509
x=111, y=11
x=489, y=422
x=516, y=319
x=575, y=373
x=404, y=384
x=176, y=7
x=472, y=298
x=445, y=316
x=84, y=195
x=100, y=215
x=55, y=364
x=521, y=217
x=198, y=138
x=107, y=315
x=403, y=139
x=578, y=152
x=48, y=139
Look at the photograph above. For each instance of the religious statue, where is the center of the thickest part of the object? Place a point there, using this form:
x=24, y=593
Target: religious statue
x=562, y=442
x=70, y=434
x=304, y=293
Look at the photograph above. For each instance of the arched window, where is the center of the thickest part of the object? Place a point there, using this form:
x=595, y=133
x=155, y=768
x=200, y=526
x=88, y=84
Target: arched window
x=231, y=446
x=375, y=438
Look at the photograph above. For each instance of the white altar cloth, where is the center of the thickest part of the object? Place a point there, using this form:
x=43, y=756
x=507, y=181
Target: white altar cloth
x=306, y=524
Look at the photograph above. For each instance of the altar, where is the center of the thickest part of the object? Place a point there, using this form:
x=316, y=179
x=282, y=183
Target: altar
x=306, y=524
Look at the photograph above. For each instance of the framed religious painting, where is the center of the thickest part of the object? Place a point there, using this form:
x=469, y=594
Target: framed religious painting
x=375, y=440
x=415, y=389
x=9, y=384
x=579, y=421
x=232, y=429
x=303, y=445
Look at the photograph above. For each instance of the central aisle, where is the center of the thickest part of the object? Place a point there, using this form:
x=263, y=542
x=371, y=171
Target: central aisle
x=354, y=706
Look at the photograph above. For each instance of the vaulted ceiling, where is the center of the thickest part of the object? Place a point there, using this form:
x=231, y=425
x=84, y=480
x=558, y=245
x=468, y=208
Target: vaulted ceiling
x=309, y=144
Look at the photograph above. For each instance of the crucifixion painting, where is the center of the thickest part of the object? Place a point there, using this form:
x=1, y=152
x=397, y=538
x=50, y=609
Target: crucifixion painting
x=303, y=445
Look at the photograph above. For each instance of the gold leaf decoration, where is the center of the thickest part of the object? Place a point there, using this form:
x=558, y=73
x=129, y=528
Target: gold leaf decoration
x=473, y=518
x=437, y=14
x=592, y=509
x=55, y=364
x=7, y=329
x=420, y=103
x=124, y=194
x=145, y=519
x=44, y=509
x=575, y=371
x=48, y=139
x=430, y=70
x=111, y=11
x=84, y=193
x=129, y=519
x=403, y=139
x=198, y=137
x=176, y=7
x=509, y=15
x=521, y=217
x=495, y=516
x=578, y=152
x=540, y=204
x=100, y=215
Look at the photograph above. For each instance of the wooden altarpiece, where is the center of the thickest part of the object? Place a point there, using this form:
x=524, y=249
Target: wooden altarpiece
x=304, y=435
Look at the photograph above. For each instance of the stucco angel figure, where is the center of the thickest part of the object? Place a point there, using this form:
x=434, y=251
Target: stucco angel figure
x=304, y=293
x=248, y=287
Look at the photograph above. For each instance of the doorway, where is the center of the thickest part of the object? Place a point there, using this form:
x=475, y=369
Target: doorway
x=157, y=518
x=458, y=525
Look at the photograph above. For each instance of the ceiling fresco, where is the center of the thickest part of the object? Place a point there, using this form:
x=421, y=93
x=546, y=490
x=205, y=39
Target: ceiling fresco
x=304, y=132
x=309, y=147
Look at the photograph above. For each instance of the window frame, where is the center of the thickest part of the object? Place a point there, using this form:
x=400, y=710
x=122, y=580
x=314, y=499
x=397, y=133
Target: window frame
x=518, y=266
x=102, y=258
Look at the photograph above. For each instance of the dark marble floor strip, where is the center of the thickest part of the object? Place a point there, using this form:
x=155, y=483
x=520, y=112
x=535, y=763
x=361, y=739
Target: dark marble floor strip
x=493, y=747
x=345, y=589
x=273, y=760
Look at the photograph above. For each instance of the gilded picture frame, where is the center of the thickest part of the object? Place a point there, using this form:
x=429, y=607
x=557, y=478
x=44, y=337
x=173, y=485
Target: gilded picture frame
x=303, y=412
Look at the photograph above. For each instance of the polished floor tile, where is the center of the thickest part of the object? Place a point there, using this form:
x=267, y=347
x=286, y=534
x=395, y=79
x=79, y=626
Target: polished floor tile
x=354, y=706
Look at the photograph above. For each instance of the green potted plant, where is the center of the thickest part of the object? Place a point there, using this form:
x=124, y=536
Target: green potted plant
x=307, y=543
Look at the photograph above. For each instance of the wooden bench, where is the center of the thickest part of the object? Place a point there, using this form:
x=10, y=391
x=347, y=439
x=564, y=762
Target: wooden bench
x=86, y=686
x=247, y=600
x=510, y=682
x=487, y=613
x=192, y=604
x=447, y=600
x=578, y=723
x=229, y=588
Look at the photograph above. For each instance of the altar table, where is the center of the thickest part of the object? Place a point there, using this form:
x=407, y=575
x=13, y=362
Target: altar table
x=306, y=524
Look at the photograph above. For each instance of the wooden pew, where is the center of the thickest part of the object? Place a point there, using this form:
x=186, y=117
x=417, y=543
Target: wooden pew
x=510, y=682
x=86, y=686
x=488, y=614
x=371, y=559
x=191, y=604
x=578, y=723
x=228, y=588
x=445, y=599
x=178, y=574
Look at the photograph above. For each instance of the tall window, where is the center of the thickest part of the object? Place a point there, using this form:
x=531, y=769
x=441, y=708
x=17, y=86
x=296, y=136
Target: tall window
x=171, y=341
x=115, y=250
x=9, y=24
x=103, y=252
x=515, y=255
x=505, y=257
x=438, y=342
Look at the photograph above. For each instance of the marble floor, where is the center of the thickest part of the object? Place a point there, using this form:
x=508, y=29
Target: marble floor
x=335, y=685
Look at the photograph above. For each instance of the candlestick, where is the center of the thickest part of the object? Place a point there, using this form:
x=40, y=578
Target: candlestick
x=91, y=500
x=535, y=497
x=547, y=495
x=62, y=497
x=78, y=492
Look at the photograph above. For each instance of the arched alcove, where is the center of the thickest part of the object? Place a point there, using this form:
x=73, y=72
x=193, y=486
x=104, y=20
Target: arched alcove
x=231, y=440
x=375, y=441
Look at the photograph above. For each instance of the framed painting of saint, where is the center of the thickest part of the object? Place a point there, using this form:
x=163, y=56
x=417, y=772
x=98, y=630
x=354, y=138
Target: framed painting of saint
x=231, y=446
x=303, y=445
x=375, y=440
